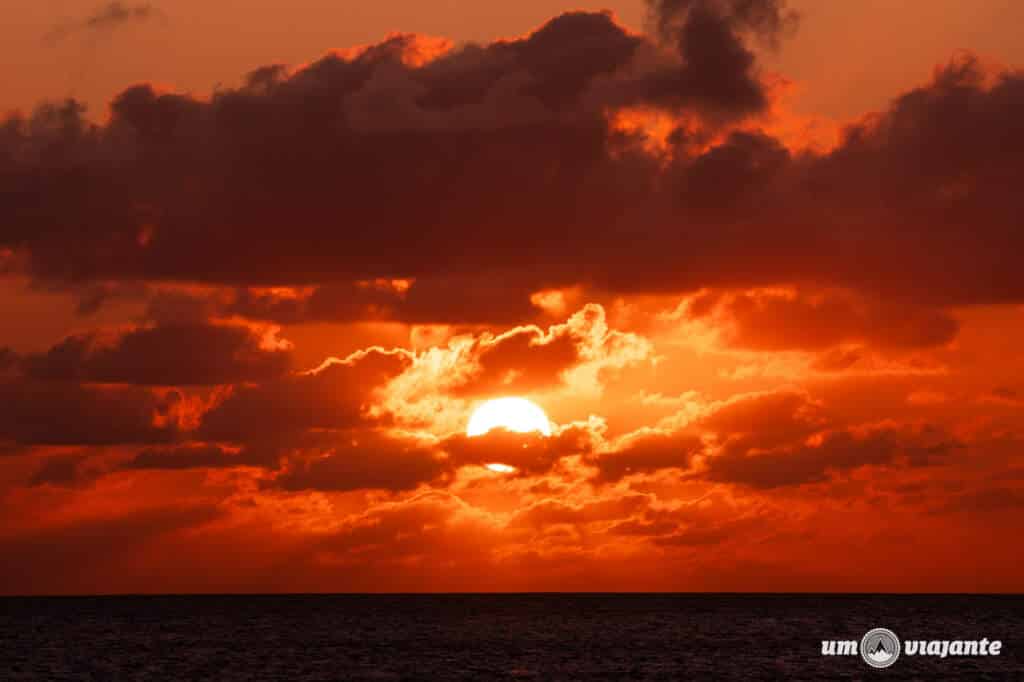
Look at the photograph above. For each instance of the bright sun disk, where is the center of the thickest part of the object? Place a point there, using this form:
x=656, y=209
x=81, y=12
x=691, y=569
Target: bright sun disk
x=515, y=414
x=499, y=468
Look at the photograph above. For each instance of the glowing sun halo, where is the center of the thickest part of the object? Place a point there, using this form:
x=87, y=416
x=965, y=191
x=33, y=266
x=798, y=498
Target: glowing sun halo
x=514, y=414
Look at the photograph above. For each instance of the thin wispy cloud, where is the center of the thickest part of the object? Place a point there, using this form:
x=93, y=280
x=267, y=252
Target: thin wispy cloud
x=112, y=16
x=117, y=13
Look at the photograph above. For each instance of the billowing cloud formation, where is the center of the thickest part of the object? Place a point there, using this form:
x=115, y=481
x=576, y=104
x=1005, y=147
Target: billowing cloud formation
x=511, y=194
x=745, y=349
x=470, y=125
x=166, y=355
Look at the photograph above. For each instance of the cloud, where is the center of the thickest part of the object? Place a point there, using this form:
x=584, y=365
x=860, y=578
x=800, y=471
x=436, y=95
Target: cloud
x=53, y=413
x=527, y=359
x=994, y=500
x=178, y=355
x=521, y=360
x=462, y=204
x=530, y=454
x=94, y=546
x=415, y=531
x=718, y=66
x=337, y=395
x=368, y=460
x=576, y=357
x=8, y=360
x=552, y=512
x=802, y=463
x=778, y=320
x=117, y=13
x=767, y=19
x=648, y=451
x=377, y=459
x=63, y=470
x=200, y=456
x=772, y=417
x=107, y=18
x=554, y=197
x=768, y=440
x=331, y=428
x=759, y=420
x=457, y=299
x=784, y=438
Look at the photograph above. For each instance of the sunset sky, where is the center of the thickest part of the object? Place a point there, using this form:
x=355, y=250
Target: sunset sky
x=758, y=262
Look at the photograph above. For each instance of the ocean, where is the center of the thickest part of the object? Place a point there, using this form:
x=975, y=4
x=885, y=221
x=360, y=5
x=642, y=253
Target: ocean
x=496, y=636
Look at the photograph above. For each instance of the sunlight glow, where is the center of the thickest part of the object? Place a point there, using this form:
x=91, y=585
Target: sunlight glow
x=515, y=414
x=501, y=468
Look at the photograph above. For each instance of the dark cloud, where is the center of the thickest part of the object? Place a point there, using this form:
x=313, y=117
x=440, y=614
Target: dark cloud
x=91, y=389
x=718, y=66
x=457, y=299
x=752, y=422
x=470, y=172
x=771, y=418
x=202, y=456
x=192, y=354
x=373, y=459
x=106, y=18
x=522, y=360
x=551, y=512
x=995, y=500
x=335, y=396
x=57, y=413
x=485, y=156
x=646, y=452
x=362, y=456
x=62, y=470
x=803, y=463
x=772, y=320
x=8, y=360
x=817, y=459
x=767, y=19
x=561, y=60
x=117, y=13
x=784, y=438
x=529, y=453
x=367, y=460
x=770, y=440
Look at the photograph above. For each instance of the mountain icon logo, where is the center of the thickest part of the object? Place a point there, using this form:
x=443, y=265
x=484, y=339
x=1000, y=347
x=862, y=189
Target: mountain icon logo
x=880, y=647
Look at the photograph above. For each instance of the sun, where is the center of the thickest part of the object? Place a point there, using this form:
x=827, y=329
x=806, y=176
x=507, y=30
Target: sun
x=515, y=414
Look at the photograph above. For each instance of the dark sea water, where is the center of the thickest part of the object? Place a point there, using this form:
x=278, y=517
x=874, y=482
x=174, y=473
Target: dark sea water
x=484, y=637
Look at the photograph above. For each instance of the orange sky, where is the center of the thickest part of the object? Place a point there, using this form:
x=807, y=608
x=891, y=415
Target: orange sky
x=769, y=299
